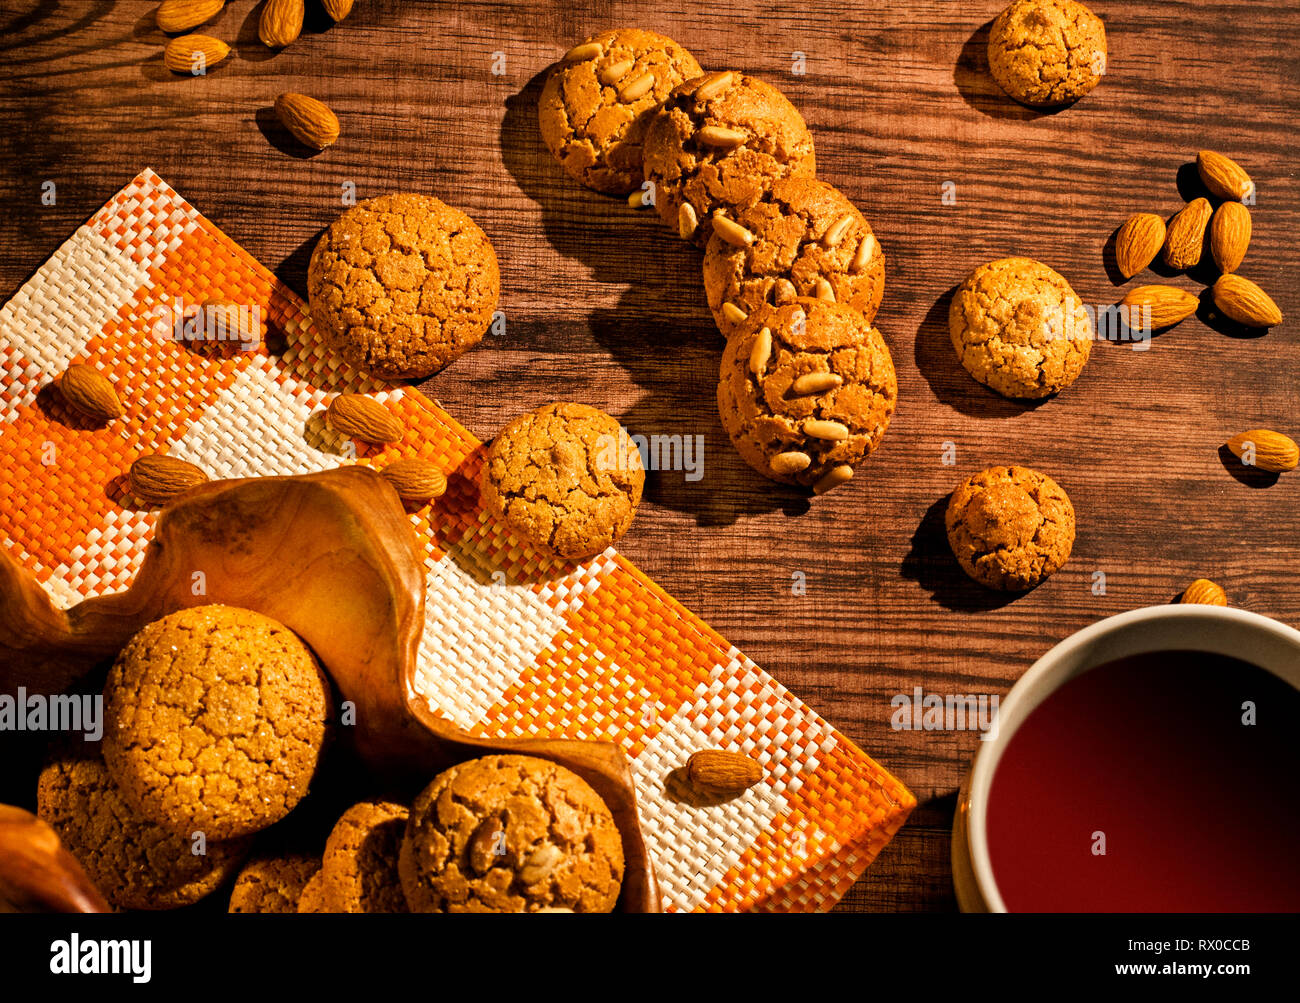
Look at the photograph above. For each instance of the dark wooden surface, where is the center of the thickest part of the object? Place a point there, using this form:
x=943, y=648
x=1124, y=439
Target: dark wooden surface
x=606, y=307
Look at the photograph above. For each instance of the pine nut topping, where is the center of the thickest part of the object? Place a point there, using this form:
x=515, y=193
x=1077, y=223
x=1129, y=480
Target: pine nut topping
x=637, y=88
x=821, y=428
x=731, y=231
x=587, y=50
x=792, y=462
x=836, y=231
x=816, y=383
x=687, y=221
x=833, y=478
x=761, y=352
x=614, y=72
x=866, y=250
x=711, y=88
x=734, y=314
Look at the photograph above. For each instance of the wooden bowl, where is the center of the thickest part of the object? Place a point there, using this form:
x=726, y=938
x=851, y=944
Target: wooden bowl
x=333, y=557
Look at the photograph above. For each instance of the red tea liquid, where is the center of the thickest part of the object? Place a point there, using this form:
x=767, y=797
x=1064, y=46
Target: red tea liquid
x=1201, y=813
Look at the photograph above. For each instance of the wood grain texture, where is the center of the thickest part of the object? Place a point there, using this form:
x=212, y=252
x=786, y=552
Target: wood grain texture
x=605, y=306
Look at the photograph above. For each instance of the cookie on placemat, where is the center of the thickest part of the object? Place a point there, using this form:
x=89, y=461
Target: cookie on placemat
x=803, y=238
x=273, y=884
x=510, y=834
x=1047, y=52
x=1019, y=328
x=598, y=101
x=566, y=478
x=401, y=285
x=1010, y=527
x=359, y=872
x=806, y=392
x=134, y=863
x=214, y=719
x=717, y=144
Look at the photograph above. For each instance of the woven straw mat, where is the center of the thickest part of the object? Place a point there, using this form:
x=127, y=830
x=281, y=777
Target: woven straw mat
x=593, y=652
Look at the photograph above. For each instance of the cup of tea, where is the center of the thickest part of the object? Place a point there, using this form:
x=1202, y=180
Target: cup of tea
x=1147, y=763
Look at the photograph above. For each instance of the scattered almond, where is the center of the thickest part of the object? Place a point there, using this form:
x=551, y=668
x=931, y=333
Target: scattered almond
x=1204, y=592
x=182, y=54
x=1138, y=242
x=1230, y=235
x=721, y=772
x=1186, y=235
x=90, y=392
x=364, y=418
x=1265, y=449
x=1168, y=304
x=310, y=121
x=1223, y=176
x=182, y=15
x=157, y=478
x=416, y=481
x=1245, y=302
x=337, y=9
x=281, y=22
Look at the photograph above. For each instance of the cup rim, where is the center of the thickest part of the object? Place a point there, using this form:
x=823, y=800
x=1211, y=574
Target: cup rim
x=988, y=756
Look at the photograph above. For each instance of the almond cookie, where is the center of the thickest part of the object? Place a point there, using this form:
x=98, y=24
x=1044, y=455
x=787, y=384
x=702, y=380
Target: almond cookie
x=401, y=285
x=566, y=478
x=806, y=392
x=717, y=145
x=1047, y=52
x=804, y=238
x=598, y=101
x=359, y=872
x=510, y=834
x=214, y=718
x=1010, y=527
x=273, y=884
x=1019, y=328
x=133, y=862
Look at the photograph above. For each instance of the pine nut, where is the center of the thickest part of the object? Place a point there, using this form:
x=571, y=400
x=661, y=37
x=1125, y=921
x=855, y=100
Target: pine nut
x=761, y=352
x=836, y=232
x=821, y=428
x=637, y=88
x=714, y=86
x=721, y=137
x=614, y=72
x=866, y=251
x=816, y=383
x=792, y=462
x=731, y=231
x=687, y=221
x=587, y=50
x=636, y=199
x=824, y=291
x=833, y=478
x=734, y=314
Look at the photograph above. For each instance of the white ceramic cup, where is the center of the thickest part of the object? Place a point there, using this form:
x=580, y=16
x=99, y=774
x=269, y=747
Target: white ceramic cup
x=1219, y=630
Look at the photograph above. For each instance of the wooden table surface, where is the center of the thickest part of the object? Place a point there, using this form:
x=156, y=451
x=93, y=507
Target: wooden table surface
x=605, y=306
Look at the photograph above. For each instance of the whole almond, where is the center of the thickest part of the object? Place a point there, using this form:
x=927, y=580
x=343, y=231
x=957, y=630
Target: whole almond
x=90, y=392
x=182, y=15
x=1245, y=302
x=1204, y=592
x=310, y=121
x=1230, y=235
x=181, y=53
x=1223, y=176
x=363, y=418
x=337, y=9
x=416, y=481
x=1186, y=235
x=1265, y=449
x=722, y=772
x=281, y=22
x=157, y=478
x=1168, y=305
x=1138, y=242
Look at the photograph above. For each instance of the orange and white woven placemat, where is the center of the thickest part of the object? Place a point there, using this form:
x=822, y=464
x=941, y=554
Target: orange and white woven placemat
x=513, y=644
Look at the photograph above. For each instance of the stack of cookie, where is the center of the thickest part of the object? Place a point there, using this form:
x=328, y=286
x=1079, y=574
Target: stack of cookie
x=793, y=272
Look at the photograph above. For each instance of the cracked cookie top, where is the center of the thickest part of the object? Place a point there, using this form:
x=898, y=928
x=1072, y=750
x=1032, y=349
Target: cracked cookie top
x=359, y=873
x=566, y=478
x=133, y=862
x=1010, y=527
x=598, y=102
x=806, y=392
x=402, y=285
x=273, y=884
x=511, y=834
x=214, y=718
x=1019, y=328
x=1047, y=52
x=803, y=238
x=717, y=144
